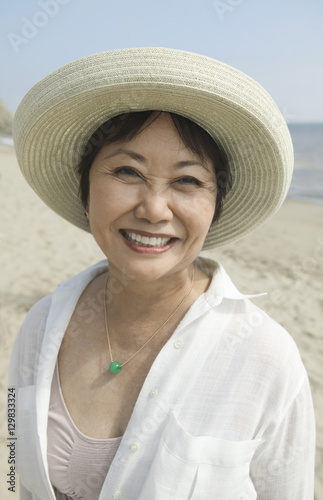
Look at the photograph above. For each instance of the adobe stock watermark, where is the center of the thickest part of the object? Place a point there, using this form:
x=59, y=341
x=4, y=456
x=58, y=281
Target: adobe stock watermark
x=30, y=27
x=223, y=7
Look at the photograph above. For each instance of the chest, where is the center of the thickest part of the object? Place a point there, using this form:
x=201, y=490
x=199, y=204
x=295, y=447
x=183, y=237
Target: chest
x=101, y=403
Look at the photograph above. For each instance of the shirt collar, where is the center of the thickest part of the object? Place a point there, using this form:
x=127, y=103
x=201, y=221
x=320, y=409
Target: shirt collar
x=221, y=286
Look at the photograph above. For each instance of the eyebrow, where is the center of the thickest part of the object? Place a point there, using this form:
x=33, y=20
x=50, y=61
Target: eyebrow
x=142, y=159
x=188, y=163
x=132, y=154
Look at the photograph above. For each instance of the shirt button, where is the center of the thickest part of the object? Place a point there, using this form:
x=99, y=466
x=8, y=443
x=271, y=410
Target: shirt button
x=134, y=447
x=153, y=393
x=178, y=344
x=117, y=494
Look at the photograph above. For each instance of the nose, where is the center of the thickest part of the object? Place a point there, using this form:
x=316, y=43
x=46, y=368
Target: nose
x=154, y=207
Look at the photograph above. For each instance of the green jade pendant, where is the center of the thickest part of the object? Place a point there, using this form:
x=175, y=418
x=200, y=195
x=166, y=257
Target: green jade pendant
x=115, y=367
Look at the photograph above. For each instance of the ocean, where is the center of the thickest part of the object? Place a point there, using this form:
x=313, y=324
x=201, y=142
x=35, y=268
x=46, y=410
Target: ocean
x=307, y=181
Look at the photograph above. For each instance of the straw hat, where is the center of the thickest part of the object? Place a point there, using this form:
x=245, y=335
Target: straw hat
x=58, y=115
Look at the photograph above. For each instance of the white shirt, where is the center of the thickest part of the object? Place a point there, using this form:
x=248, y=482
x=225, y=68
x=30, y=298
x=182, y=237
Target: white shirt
x=225, y=412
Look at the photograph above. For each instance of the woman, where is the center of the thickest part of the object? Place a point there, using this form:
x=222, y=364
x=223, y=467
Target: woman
x=149, y=376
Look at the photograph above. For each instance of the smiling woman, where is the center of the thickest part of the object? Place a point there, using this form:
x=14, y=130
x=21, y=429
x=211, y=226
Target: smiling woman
x=152, y=195
x=175, y=386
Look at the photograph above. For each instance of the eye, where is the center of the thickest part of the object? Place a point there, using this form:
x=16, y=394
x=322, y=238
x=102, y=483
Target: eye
x=126, y=172
x=189, y=181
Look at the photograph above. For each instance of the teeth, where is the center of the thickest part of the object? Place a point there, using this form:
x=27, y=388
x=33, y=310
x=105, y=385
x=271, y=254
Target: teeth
x=145, y=241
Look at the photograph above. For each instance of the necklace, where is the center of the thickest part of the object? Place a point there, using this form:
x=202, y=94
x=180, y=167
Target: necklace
x=115, y=366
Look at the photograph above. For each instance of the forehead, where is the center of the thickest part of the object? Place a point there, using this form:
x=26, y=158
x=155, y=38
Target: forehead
x=159, y=127
x=159, y=135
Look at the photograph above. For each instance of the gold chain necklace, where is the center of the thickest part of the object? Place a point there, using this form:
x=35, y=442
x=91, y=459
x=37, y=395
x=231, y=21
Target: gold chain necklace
x=115, y=366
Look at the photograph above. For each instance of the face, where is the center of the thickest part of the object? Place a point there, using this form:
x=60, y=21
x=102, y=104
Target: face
x=151, y=202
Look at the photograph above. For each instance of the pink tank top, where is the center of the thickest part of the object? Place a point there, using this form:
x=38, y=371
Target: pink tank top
x=77, y=464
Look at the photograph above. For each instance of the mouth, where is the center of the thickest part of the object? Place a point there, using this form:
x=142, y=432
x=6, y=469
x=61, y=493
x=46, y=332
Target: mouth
x=147, y=241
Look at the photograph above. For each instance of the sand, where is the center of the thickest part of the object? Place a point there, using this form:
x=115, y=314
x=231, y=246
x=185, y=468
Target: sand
x=283, y=258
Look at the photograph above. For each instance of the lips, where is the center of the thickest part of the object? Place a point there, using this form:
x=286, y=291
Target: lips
x=146, y=241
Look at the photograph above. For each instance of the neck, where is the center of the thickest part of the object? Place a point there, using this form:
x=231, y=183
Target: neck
x=135, y=298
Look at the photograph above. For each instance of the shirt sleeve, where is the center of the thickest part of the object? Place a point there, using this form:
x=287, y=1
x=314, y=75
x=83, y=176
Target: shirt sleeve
x=283, y=465
x=23, y=493
x=22, y=373
x=25, y=351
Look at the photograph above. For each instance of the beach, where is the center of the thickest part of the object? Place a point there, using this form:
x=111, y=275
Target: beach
x=283, y=258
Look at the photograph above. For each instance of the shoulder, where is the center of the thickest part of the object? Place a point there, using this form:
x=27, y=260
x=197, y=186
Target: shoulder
x=266, y=351
x=37, y=314
x=36, y=318
x=251, y=330
x=262, y=333
x=35, y=321
x=248, y=329
x=26, y=349
x=259, y=348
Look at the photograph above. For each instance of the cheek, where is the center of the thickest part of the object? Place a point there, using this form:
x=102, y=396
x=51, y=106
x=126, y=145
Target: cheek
x=107, y=197
x=205, y=202
x=198, y=212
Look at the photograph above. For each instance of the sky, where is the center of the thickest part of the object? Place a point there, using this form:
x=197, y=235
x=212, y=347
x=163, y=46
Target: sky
x=279, y=43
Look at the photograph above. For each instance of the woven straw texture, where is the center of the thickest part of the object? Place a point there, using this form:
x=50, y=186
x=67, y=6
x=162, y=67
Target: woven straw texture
x=58, y=115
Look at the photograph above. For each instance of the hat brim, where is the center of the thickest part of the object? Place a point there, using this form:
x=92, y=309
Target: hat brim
x=59, y=114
